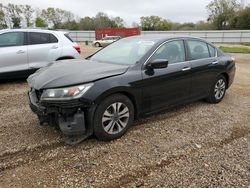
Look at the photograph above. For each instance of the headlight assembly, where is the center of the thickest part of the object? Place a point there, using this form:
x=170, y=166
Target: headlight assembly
x=68, y=93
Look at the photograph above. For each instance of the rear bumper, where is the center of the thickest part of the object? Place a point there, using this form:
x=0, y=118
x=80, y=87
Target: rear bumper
x=69, y=116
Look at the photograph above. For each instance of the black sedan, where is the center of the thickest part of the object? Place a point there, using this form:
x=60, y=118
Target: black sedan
x=132, y=77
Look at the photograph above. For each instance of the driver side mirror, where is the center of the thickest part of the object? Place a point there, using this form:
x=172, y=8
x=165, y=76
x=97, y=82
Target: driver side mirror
x=158, y=64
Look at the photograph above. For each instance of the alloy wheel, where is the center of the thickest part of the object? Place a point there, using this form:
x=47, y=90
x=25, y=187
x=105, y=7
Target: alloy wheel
x=115, y=118
x=219, y=89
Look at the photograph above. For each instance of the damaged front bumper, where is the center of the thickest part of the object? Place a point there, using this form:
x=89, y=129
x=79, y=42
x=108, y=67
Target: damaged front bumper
x=70, y=116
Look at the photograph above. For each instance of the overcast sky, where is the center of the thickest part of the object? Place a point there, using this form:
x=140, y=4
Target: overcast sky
x=129, y=10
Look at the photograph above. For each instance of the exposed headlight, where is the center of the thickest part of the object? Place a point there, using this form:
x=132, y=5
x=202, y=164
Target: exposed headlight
x=68, y=93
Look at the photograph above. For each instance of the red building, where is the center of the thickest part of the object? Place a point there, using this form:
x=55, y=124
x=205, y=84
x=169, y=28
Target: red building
x=122, y=32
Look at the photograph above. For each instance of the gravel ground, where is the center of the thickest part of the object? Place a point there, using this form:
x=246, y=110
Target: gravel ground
x=195, y=145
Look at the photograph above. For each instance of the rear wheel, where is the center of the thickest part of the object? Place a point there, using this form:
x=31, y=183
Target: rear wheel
x=218, y=90
x=113, y=116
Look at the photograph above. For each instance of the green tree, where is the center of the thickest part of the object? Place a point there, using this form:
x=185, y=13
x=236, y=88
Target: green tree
x=39, y=22
x=68, y=16
x=57, y=17
x=202, y=25
x=69, y=25
x=27, y=12
x=119, y=22
x=3, y=23
x=148, y=23
x=87, y=23
x=14, y=14
x=51, y=16
x=102, y=20
x=186, y=26
x=222, y=13
x=154, y=23
x=163, y=25
x=175, y=26
x=243, y=19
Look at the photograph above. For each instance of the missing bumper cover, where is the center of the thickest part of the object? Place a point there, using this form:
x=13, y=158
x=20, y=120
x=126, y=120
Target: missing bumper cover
x=73, y=126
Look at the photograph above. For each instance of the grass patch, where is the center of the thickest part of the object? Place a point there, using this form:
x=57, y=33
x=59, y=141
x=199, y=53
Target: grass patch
x=235, y=50
x=245, y=43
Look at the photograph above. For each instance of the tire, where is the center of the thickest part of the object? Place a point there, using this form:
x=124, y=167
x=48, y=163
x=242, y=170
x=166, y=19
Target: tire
x=217, y=90
x=64, y=58
x=108, y=125
x=98, y=44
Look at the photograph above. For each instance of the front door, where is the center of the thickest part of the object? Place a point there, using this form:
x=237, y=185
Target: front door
x=13, y=52
x=167, y=86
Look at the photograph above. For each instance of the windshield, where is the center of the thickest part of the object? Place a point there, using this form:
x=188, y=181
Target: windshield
x=125, y=51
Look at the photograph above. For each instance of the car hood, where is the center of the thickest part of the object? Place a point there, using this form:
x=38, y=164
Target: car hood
x=73, y=72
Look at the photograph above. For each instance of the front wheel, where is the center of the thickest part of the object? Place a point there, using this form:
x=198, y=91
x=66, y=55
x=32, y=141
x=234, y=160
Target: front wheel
x=218, y=90
x=97, y=44
x=113, y=116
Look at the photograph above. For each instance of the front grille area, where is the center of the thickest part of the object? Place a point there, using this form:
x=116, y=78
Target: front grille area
x=64, y=104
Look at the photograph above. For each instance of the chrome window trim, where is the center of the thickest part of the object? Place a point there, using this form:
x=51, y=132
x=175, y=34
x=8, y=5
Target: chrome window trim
x=216, y=53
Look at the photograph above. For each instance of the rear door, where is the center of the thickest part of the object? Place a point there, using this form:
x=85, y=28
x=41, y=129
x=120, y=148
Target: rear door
x=43, y=48
x=204, y=64
x=13, y=52
x=168, y=86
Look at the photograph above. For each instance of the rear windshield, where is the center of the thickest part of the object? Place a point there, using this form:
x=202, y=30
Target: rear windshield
x=68, y=37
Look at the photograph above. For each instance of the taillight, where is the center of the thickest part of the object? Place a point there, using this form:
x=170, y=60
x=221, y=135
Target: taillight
x=78, y=48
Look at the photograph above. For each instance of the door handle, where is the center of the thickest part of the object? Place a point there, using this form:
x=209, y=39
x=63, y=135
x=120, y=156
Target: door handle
x=186, y=69
x=20, y=52
x=54, y=47
x=215, y=63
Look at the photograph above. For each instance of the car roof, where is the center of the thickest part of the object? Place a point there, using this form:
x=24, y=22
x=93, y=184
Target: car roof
x=32, y=30
x=164, y=37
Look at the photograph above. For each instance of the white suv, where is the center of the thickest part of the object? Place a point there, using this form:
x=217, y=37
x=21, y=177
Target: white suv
x=22, y=51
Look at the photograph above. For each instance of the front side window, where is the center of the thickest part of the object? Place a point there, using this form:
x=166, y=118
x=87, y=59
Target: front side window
x=198, y=49
x=173, y=51
x=41, y=38
x=12, y=39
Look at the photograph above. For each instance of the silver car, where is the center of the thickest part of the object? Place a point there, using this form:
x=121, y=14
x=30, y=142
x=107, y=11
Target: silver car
x=106, y=41
x=22, y=51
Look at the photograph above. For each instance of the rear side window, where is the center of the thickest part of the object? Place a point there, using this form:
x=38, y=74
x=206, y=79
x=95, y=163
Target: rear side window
x=173, y=51
x=41, y=38
x=198, y=49
x=12, y=39
x=68, y=37
x=53, y=39
x=212, y=50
